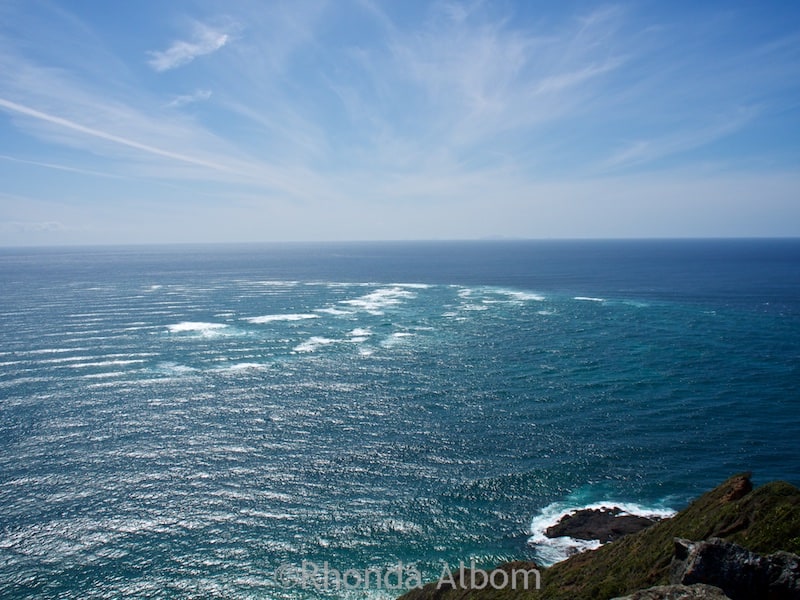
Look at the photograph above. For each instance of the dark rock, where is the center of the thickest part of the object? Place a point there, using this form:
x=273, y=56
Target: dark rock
x=740, y=486
x=765, y=520
x=740, y=573
x=604, y=524
x=698, y=591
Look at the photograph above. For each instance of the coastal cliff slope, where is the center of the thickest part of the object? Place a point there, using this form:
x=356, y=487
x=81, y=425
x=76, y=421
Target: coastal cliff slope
x=763, y=520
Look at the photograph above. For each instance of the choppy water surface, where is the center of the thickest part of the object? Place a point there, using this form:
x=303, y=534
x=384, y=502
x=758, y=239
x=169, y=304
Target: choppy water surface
x=179, y=422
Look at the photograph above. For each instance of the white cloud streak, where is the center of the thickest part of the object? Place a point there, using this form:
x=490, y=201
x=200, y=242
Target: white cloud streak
x=437, y=113
x=183, y=100
x=12, y=227
x=58, y=167
x=61, y=122
x=648, y=150
x=205, y=41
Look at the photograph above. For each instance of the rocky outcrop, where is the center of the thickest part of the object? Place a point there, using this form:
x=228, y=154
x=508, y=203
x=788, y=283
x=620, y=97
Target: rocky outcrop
x=604, y=524
x=765, y=520
x=740, y=573
x=698, y=591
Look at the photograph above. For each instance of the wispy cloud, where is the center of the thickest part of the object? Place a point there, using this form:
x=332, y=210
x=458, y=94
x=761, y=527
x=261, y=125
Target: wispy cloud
x=183, y=100
x=57, y=167
x=89, y=131
x=648, y=150
x=31, y=226
x=339, y=110
x=181, y=52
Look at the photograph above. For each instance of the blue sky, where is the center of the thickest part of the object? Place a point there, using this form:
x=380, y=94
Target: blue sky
x=137, y=122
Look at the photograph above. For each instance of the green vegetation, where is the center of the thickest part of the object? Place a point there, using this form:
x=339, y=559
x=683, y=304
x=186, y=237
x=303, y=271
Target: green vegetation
x=764, y=521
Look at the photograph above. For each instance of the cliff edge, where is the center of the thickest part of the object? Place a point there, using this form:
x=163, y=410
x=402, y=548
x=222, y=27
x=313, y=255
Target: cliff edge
x=763, y=521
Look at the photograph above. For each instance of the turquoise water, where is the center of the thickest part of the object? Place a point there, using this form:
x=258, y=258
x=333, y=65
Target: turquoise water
x=181, y=421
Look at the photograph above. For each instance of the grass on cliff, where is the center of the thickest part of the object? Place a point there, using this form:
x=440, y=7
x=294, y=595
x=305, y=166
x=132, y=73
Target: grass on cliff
x=764, y=520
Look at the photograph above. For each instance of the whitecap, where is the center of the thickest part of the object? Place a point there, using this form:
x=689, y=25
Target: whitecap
x=277, y=283
x=171, y=368
x=510, y=295
x=523, y=296
x=589, y=299
x=396, y=338
x=242, y=366
x=53, y=350
x=205, y=329
x=382, y=298
x=106, y=375
x=333, y=311
x=280, y=317
x=413, y=286
x=107, y=363
x=313, y=344
x=474, y=307
x=553, y=550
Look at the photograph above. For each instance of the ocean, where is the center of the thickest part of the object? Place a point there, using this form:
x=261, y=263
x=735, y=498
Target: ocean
x=192, y=421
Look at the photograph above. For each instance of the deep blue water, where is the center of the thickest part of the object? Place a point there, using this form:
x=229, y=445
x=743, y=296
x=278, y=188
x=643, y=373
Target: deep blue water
x=179, y=421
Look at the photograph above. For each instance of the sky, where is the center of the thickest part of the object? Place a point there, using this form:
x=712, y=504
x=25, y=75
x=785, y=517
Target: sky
x=318, y=120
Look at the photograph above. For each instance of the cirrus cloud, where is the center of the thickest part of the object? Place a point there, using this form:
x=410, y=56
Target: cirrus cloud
x=205, y=41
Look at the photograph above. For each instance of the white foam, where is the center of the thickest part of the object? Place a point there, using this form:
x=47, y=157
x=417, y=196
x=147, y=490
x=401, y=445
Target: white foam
x=359, y=335
x=396, y=338
x=140, y=327
x=106, y=375
x=68, y=359
x=520, y=296
x=413, y=286
x=242, y=366
x=334, y=311
x=107, y=363
x=280, y=317
x=474, y=307
x=382, y=298
x=553, y=550
x=172, y=368
x=589, y=299
x=53, y=350
x=313, y=344
x=205, y=329
x=278, y=283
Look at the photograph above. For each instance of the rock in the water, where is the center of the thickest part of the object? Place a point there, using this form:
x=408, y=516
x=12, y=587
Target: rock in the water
x=604, y=524
x=741, y=574
x=698, y=591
